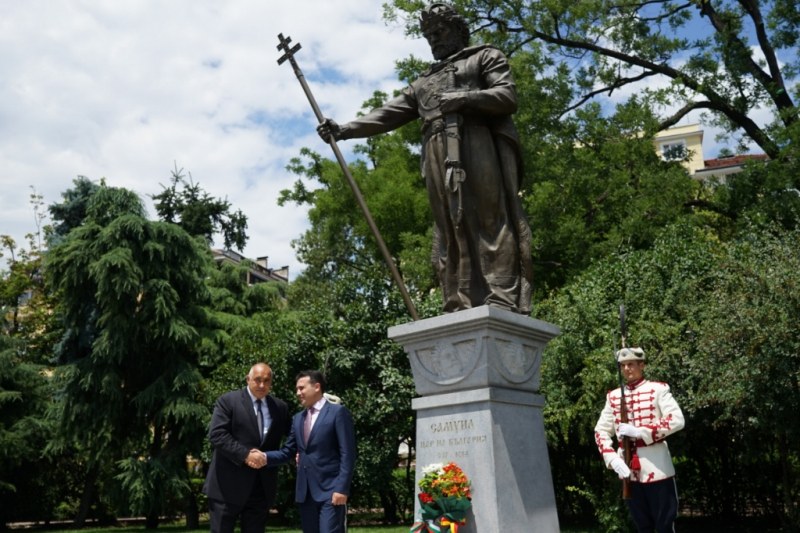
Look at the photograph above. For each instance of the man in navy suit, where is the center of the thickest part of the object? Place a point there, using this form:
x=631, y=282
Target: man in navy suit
x=323, y=440
x=245, y=424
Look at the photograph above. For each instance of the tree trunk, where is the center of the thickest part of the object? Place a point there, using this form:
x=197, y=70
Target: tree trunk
x=192, y=512
x=87, y=497
x=790, y=507
x=389, y=503
x=151, y=520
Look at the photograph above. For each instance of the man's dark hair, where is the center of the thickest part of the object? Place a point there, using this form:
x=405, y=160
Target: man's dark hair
x=314, y=376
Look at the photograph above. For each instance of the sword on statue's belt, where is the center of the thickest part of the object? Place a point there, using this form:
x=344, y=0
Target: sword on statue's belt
x=454, y=173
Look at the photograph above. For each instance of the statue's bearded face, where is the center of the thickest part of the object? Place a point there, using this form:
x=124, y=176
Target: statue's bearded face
x=444, y=40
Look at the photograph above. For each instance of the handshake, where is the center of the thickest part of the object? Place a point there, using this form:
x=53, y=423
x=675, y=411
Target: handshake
x=256, y=459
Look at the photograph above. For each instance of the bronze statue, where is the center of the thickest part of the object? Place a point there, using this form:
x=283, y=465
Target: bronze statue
x=471, y=164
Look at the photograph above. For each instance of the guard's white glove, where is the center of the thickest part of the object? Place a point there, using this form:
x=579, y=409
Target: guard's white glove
x=620, y=468
x=629, y=430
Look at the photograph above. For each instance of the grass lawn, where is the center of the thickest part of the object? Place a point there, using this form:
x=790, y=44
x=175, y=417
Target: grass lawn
x=271, y=528
x=176, y=528
x=181, y=529
x=365, y=523
x=685, y=524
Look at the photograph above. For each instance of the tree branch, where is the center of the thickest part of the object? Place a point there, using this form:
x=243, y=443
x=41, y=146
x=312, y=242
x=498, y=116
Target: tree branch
x=682, y=112
x=777, y=89
x=773, y=86
x=658, y=18
x=704, y=204
x=620, y=82
x=715, y=101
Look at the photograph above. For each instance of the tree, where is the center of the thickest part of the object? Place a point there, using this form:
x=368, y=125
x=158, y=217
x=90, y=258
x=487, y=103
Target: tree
x=597, y=188
x=762, y=191
x=122, y=462
x=198, y=213
x=24, y=308
x=750, y=340
x=696, y=305
x=16, y=282
x=728, y=57
x=71, y=211
x=233, y=305
x=131, y=297
x=23, y=428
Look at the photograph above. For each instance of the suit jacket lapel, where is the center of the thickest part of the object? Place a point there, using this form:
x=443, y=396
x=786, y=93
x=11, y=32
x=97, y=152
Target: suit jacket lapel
x=323, y=413
x=297, y=421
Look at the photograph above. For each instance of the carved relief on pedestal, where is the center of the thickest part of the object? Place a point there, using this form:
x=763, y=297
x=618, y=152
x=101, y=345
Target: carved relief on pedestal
x=517, y=362
x=447, y=363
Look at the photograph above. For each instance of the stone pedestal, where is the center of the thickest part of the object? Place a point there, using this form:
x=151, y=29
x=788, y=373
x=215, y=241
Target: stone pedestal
x=477, y=374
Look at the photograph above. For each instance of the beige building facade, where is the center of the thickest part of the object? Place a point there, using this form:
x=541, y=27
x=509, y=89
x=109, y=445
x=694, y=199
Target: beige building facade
x=682, y=141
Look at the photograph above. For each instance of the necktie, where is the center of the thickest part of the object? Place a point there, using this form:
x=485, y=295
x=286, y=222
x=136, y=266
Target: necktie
x=307, y=424
x=260, y=420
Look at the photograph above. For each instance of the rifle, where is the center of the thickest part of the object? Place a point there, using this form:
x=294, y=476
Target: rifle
x=623, y=414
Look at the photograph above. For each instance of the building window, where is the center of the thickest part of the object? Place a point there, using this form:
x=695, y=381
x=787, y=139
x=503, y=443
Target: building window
x=674, y=151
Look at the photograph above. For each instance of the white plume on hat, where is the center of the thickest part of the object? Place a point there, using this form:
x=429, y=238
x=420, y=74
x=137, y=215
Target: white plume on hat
x=630, y=354
x=332, y=398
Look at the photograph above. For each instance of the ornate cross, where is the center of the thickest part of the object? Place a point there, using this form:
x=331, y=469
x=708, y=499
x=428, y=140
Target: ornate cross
x=288, y=52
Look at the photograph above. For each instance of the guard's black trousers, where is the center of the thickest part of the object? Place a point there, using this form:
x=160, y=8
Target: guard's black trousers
x=654, y=506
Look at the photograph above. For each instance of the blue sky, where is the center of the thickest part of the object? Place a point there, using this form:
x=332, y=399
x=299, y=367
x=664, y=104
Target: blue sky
x=128, y=90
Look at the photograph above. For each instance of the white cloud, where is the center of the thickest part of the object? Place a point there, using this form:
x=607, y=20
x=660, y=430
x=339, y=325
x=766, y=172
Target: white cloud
x=124, y=90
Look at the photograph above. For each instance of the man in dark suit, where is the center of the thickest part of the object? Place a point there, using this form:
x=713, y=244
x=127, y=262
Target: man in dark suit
x=323, y=439
x=245, y=424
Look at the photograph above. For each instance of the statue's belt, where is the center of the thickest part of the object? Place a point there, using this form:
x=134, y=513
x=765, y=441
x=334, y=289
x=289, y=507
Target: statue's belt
x=437, y=125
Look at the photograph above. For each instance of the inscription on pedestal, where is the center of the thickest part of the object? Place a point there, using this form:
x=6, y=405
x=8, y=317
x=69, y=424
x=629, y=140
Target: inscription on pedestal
x=451, y=440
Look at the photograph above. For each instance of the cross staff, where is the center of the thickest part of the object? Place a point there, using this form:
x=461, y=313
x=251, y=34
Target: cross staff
x=288, y=53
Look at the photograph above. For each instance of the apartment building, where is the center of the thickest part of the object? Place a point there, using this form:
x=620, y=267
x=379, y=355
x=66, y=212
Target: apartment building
x=259, y=271
x=680, y=141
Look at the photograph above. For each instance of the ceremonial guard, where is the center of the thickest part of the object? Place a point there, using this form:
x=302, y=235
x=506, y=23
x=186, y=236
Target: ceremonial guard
x=652, y=415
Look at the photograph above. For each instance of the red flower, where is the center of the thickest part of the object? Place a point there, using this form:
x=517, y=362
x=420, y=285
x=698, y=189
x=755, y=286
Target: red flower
x=444, y=481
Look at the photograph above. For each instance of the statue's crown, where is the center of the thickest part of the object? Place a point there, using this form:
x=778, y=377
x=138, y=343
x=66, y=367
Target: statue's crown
x=437, y=13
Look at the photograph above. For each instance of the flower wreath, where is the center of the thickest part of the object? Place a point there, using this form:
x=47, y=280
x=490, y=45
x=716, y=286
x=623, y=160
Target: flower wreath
x=444, y=497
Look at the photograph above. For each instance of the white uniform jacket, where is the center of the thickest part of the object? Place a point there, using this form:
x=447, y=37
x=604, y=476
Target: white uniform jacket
x=649, y=405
